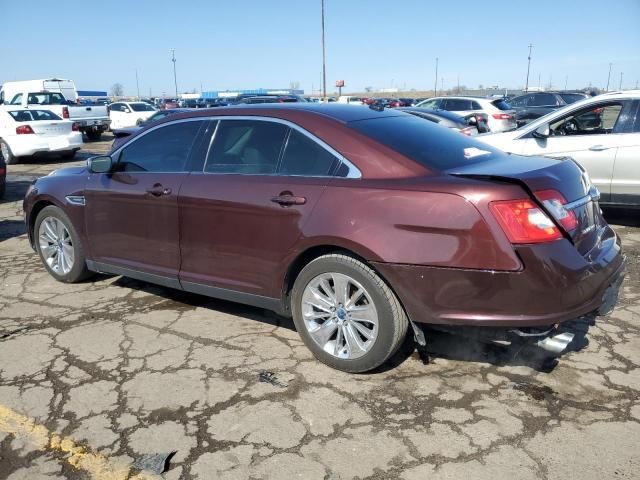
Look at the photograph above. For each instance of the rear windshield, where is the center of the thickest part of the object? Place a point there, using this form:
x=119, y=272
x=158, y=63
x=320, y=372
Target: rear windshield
x=426, y=143
x=142, y=107
x=33, y=115
x=45, y=98
x=500, y=104
x=571, y=97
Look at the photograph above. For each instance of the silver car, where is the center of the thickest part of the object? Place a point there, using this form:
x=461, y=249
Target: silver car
x=500, y=116
x=601, y=133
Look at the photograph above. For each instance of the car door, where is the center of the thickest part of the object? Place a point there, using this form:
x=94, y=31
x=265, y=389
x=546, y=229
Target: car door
x=131, y=214
x=243, y=212
x=625, y=182
x=589, y=135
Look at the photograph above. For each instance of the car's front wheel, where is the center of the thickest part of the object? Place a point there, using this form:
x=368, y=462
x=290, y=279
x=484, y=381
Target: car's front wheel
x=346, y=314
x=59, y=246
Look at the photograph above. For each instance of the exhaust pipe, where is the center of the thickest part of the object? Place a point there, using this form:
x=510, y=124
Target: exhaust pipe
x=556, y=344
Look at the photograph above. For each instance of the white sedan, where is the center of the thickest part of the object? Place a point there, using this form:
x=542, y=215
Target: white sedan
x=601, y=133
x=26, y=132
x=129, y=114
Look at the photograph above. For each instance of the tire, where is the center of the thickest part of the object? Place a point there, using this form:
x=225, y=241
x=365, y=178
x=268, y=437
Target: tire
x=381, y=342
x=78, y=270
x=94, y=135
x=9, y=157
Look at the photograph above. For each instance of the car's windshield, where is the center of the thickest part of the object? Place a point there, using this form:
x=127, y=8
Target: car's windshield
x=571, y=97
x=33, y=115
x=156, y=116
x=425, y=142
x=142, y=107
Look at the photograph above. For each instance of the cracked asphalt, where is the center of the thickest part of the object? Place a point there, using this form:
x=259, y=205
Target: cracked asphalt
x=95, y=375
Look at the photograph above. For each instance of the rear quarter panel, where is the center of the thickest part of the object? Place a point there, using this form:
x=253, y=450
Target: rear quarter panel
x=407, y=226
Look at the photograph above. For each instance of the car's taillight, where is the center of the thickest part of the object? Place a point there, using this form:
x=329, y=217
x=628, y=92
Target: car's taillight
x=467, y=131
x=555, y=203
x=3, y=170
x=501, y=116
x=24, y=129
x=524, y=222
x=75, y=127
x=65, y=112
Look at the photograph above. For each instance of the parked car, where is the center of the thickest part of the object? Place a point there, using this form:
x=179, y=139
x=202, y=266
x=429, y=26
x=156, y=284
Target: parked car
x=31, y=132
x=358, y=223
x=534, y=105
x=122, y=133
x=601, y=133
x=214, y=102
x=349, y=100
x=466, y=126
x=129, y=114
x=167, y=103
x=3, y=175
x=189, y=103
x=501, y=118
x=58, y=96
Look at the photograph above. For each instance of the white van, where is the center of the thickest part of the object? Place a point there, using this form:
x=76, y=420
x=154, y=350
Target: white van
x=66, y=87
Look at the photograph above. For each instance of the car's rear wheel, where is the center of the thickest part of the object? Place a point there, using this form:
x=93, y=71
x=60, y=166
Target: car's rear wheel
x=9, y=157
x=346, y=314
x=59, y=246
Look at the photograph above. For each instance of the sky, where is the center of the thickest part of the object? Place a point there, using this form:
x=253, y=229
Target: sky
x=272, y=43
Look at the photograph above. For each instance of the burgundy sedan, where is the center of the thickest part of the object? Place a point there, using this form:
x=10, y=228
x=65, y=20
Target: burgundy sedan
x=356, y=222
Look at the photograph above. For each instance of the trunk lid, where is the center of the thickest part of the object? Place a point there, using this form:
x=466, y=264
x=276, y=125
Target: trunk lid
x=540, y=174
x=87, y=111
x=51, y=129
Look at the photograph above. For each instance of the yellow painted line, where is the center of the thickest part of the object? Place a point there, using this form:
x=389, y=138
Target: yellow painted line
x=96, y=465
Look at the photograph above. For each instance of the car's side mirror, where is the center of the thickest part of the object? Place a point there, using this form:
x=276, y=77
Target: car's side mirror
x=100, y=164
x=126, y=110
x=542, y=131
x=473, y=120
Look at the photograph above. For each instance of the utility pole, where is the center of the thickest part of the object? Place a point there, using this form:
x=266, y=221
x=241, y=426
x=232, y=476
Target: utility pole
x=526, y=86
x=137, y=85
x=175, y=78
x=620, y=87
x=324, y=59
x=608, y=77
x=458, y=84
x=442, y=84
x=539, y=75
x=566, y=79
x=435, y=86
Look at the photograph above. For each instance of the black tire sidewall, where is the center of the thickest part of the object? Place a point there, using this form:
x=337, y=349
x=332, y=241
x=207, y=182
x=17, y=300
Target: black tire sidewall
x=384, y=343
x=79, y=270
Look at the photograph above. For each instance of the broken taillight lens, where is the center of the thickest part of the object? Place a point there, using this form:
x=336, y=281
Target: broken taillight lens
x=555, y=203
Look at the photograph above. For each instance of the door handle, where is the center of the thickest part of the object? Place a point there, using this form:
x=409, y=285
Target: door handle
x=288, y=199
x=158, y=190
x=598, y=148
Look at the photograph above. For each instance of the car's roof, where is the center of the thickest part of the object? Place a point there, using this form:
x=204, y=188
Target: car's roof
x=336, y=111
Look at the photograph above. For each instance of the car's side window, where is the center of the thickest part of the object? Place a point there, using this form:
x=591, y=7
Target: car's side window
x=250, y=147
x=475, y=106
x=519, y=101
x=593, y=120
x=543, y=100
x=165, y=149
x=16, y=100
x=458, y=105
x=431, y=104
x=303, y=156
x=116, y=107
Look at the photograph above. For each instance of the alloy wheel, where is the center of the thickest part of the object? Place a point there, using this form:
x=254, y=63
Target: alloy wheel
x=56, y=245
x=340, y=315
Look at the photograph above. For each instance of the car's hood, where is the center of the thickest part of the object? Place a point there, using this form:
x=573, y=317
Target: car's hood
x=67, y=171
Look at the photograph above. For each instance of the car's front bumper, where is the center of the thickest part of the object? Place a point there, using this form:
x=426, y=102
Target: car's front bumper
x=556, y=285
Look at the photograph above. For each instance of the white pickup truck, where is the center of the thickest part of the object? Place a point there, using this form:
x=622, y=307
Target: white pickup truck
x=58, y=96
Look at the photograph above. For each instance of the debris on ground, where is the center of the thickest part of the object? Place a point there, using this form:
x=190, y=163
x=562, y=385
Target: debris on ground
x=270, y=377
x=9, y=333
x=154, y=462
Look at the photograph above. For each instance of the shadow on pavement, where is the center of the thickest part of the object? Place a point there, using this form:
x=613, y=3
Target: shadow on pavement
x=15, y=190
x=624, y=217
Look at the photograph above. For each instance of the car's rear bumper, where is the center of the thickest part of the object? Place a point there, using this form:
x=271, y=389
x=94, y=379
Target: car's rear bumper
x=556, y=285
x=37, y=145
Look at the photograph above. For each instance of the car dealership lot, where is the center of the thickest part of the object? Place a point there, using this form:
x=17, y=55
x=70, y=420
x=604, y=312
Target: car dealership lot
x=95, y=375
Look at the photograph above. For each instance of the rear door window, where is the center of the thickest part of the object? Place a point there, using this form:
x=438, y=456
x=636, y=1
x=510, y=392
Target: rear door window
x=500, y=104
x=543, y=100
x=571, y=97
x=165, y=149
x=305, y=157
x=250, y=147
x=457, y=105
